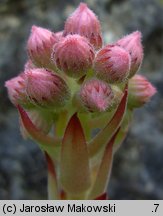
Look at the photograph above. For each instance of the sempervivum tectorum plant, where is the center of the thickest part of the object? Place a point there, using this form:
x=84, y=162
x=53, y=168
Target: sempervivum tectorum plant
x=86, y=93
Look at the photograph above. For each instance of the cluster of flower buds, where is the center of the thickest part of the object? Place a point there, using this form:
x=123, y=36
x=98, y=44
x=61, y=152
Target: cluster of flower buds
x=75, y=52
x=73, y=71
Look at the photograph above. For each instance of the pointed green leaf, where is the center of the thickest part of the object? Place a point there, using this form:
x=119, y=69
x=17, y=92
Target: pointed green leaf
x=101, y=139
x=104, y=171
x=75, y=172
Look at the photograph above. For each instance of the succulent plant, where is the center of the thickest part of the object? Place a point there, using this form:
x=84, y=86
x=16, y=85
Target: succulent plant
x=76, y=84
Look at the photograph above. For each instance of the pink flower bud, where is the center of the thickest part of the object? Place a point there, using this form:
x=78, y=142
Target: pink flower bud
x=46, y=89
x=16, y=91
x=84, y=22
x=40, y=45
x=140, y=91
x=73, y=55
x=112, y=64
x=132, y=44
x=96, y=95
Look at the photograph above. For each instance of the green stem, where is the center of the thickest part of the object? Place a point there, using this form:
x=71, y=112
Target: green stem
x=61, y=123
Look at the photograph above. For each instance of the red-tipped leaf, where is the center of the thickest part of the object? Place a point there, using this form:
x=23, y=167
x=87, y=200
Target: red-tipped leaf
x=104, y=171
x=75, y=172
x=103, y=137
x=123, y=130
x=35, y=133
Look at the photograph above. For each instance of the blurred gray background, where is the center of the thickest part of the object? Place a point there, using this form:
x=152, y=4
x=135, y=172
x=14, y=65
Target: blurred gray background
x=138, y=165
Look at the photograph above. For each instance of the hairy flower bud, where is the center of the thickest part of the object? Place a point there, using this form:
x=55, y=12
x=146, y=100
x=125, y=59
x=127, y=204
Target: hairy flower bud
x=73, y=55
x=132, y=44
x=40, y=45
x=96, y=95
x=140, y=91
x=84, y=22
x=16, y=91
x=46, y=89
x=112, y=64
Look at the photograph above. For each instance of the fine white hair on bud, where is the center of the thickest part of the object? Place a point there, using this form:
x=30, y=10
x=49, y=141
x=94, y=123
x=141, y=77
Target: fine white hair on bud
x=96, y=95
x=39, y=46
x=83, y=21
x=132, y=44
x=112, y=64
x=140, y=91
x=74, y=55
x=46, y=89
x=16, y=91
